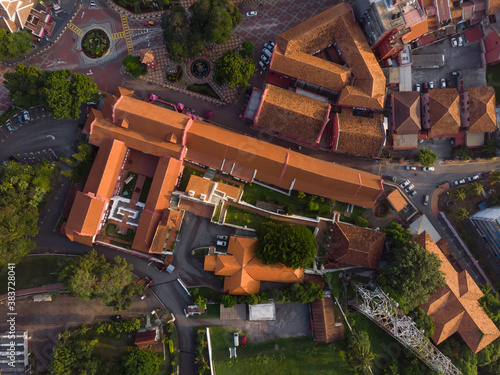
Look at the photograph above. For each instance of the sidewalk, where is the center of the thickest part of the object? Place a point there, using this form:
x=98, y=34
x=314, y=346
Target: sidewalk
x=41, y=289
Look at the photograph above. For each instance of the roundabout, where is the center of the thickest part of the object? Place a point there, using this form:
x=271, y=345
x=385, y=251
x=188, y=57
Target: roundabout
x=95, y=43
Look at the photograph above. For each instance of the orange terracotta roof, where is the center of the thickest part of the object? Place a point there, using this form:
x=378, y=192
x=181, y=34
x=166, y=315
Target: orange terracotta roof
x=360, y=135
x=444, y=112
x=15, y=13
x=166, y=232
x=417, y=29
x=493, y=7
x=325, y=330
x=106, y=168
x=146, y=338
x=455, y=307
x=482, y=115
x=288, y=113
x=244, y=271
x=85, y=215
x=354, y=245
x=397, y=200
x=147, y=56
x=292, y=56
x=406, y=110
x=200, y=185
x=164, y=181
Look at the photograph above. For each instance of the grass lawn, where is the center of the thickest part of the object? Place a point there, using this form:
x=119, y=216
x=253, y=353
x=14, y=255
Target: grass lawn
x=357, y=211
x=244, y=217
x=256, y=192
x=34, y=271
x=186, y=174
x=294, y=356
x=128, y=189
x=213, y=311
x=200, y=252
x=145, y=189
x=111, y=231
x=110, y=347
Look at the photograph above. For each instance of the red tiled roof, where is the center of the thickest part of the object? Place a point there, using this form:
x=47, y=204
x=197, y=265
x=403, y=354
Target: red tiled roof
x=145, y=338
x=455, y=307
x=354, y=245
x=482, y=114
x=244, y=271
x=397, y=200
x=444, y=112
x=473, y=34
x=325, y=330
x=360, y=135
x=406, y=112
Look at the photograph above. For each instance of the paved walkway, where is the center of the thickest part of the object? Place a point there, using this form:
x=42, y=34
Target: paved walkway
x=38, y=290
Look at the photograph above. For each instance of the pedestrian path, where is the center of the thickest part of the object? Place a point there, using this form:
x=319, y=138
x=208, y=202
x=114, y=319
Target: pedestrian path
x=119, y=35
x=75, y=29
x=126, y=33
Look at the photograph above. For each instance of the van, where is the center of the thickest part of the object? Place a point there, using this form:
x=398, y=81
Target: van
x=236, y=339
x=426, y=200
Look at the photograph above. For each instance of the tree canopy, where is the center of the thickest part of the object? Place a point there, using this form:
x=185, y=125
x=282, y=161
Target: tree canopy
x=14, y=44
x=61, y=92
x=91, y=277
x=73, y=355
x=360, y=357
x=211, y=21
x=140, y=362
x=427, y=157
x=292, y=245
x=134, y=66
x=233, y=69
x=397, y=235
x=411, y=276
x=22, y=188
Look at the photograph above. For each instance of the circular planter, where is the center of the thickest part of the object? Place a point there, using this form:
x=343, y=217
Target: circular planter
x=200, y=68
x=95, y=43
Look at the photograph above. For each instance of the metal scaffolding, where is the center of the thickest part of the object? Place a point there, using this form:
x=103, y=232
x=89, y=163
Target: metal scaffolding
x=378, y=307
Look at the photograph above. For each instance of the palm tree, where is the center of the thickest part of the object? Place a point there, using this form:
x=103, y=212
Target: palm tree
x=495, y=177
x=461, y=214
x=476, y=188
x=360, y=356
x=459, y=194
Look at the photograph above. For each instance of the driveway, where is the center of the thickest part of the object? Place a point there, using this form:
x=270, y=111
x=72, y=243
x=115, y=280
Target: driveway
x=45, y=320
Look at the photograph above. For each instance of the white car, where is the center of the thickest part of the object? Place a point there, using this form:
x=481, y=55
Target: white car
x=222, y=243
x=251, y=14
x=405, y=183
x=410, y=188
x=417, y=87
x=262, y=65
x=443, y=83
x=409, y=168
x=428, y=168
x=265, y=59
x=431, y=85
x=413, y=193
x=476, y=177
x=460, y=41
x=454, y=42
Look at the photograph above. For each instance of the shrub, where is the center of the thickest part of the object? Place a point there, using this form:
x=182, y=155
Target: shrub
x=360, y=221
x=229, y=300
x=313, y=206
x=427, y=157
x=134, y=66
x=253, y=299
x=289, y=209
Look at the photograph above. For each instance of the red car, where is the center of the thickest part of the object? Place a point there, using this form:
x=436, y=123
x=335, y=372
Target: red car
x=243, y=341
x=149, y=23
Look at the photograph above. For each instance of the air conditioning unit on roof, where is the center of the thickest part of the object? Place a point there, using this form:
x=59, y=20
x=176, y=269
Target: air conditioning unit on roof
x=190, y=193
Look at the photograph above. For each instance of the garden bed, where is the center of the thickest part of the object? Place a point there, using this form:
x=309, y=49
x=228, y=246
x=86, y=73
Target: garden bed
x=204, y=89
x=186, y=174
x=128, y=189
x=145, y=189
x=201, y=252
x=95, y=43
x=111, y=231
x=175, y=77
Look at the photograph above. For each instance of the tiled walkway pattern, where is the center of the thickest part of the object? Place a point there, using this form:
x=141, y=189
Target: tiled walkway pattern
x=75, y=29
x=126, y=33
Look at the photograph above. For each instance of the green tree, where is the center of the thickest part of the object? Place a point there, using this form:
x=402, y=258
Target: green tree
x=134, y=66
x=413, y=274
x=229, y=300
x=292, y=245
x=360, y=221
x=253, y=299
x=476, y=188
x=461, y=214
x=489, y=149
x=459, y=194
x=73, y=355
x=140, y=362
x=462, y=152
x=397, y=235
x=490, y=303
x=233, y=69
x=246, y=49
x=427, y=157
x=91, y=277
x=306, y=293
x=13, y=45
x=495, y=177
x=360, y=357
x=423, y=321
x=201, y=302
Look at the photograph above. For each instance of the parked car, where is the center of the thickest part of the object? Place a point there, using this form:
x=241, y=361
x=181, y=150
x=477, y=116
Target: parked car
x=92, y=4
x=462, y=181
x=455, y=183
x=417, y=87
x=454, y=42
x=116, y=318
x=269, y=45
x=243, y=341
x=443, y=83
x=431, y=84
x=8, y=126
x=460, y=41
x=426, y=200
x=251, y=14
x=20, y=119
x=222, y=243
x=426, y=85
x=410, y=168
x=236, y=339
x=265, y=59
x=266, y=52
x=149, y=23
x=221, y=237
x=428, y=168
x=475, y=177
x=413, y=193
x=410, y=188
x=391, y=178
x=262, y=65
x=455, y=74
x=405, y=183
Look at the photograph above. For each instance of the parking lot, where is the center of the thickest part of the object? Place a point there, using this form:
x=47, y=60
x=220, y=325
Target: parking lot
x=30, y=158
x=22, y=118
x=456, y=59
